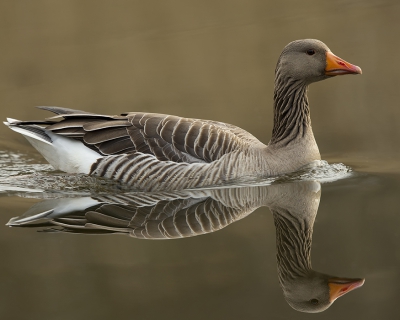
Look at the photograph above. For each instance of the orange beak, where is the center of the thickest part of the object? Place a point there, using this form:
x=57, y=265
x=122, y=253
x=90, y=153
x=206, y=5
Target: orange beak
x=336, y=66
x=340, y=286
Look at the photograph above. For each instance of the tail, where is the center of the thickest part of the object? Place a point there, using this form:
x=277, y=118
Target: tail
x=62, y=153
x=53, y=209
x=32, y=131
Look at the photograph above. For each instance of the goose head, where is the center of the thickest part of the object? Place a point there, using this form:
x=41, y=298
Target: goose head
x=304, y=288
x=311, y=60
x=315, y=292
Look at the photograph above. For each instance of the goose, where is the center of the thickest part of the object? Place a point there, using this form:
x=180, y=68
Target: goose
x=151, y=152
x=188, y=213
x=304, y=289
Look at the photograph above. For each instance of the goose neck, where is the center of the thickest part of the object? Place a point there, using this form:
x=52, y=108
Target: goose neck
x=293, y=241
x=291, y=111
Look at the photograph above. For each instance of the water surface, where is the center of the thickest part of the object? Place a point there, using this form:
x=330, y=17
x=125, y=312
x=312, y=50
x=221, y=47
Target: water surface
x=228, y=271
x=210, y=60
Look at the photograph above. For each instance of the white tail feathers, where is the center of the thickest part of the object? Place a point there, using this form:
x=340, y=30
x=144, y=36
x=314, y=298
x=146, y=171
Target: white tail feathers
x=11, y=121
x=52, y=209
x=27, y=133
x=62, y=153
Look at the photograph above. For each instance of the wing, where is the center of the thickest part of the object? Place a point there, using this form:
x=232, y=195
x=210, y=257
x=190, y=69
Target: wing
x=168, y=138
x=141, y=215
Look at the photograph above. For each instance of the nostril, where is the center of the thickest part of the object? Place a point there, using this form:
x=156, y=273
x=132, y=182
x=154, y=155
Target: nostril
x=342, y=63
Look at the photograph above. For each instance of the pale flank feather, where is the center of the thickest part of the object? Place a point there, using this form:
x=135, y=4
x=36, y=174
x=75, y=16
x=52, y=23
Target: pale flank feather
x=62, y=153
x=144, y=150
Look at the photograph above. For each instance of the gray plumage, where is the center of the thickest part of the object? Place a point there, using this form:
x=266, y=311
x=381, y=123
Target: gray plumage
x=162, y=152
x=174, y=215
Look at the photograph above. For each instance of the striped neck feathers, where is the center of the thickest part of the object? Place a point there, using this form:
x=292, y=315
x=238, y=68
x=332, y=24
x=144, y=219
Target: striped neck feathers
x=293, y=241
x=291, y=111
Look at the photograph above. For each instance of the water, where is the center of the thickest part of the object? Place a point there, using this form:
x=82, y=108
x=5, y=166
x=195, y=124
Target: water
x=211, y=60
x=231, y=269
x=18, y=173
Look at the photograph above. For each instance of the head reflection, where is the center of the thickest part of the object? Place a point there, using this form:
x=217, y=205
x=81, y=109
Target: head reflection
x=304, y=289
x=172, y=215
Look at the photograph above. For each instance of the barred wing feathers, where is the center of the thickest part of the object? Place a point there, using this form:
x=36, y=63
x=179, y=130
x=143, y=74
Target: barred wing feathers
x=168, y=138
x=155, y=151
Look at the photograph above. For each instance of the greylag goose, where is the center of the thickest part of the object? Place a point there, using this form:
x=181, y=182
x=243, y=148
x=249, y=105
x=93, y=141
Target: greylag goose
x=188, y=213
x=304, y=289
x=162, y=152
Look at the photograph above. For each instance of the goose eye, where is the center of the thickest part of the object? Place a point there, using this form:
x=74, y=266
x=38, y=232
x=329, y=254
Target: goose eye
x=314, y=301
x=310, y=52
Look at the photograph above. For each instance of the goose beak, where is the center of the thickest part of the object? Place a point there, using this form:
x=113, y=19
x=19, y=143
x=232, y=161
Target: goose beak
x=340, y=286
x=336, y=66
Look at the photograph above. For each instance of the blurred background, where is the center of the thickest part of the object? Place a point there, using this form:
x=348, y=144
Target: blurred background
x=209, y=59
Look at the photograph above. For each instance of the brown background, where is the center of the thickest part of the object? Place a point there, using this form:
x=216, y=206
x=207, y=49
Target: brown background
x=204, y=59
x=209, y=59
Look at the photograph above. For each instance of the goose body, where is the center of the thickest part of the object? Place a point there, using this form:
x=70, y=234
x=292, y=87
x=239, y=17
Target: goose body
x=162, y=152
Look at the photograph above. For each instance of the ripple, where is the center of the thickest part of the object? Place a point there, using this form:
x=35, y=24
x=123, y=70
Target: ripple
x=16, y=164
x=319, y=170
x=22, y=175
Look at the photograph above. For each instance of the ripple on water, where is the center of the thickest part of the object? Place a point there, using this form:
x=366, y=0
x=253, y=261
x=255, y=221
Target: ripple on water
x=19, y=173
x=16, y=164
x=319, y=170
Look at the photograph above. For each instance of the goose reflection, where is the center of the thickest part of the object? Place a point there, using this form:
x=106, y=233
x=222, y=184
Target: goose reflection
x=172, y=215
